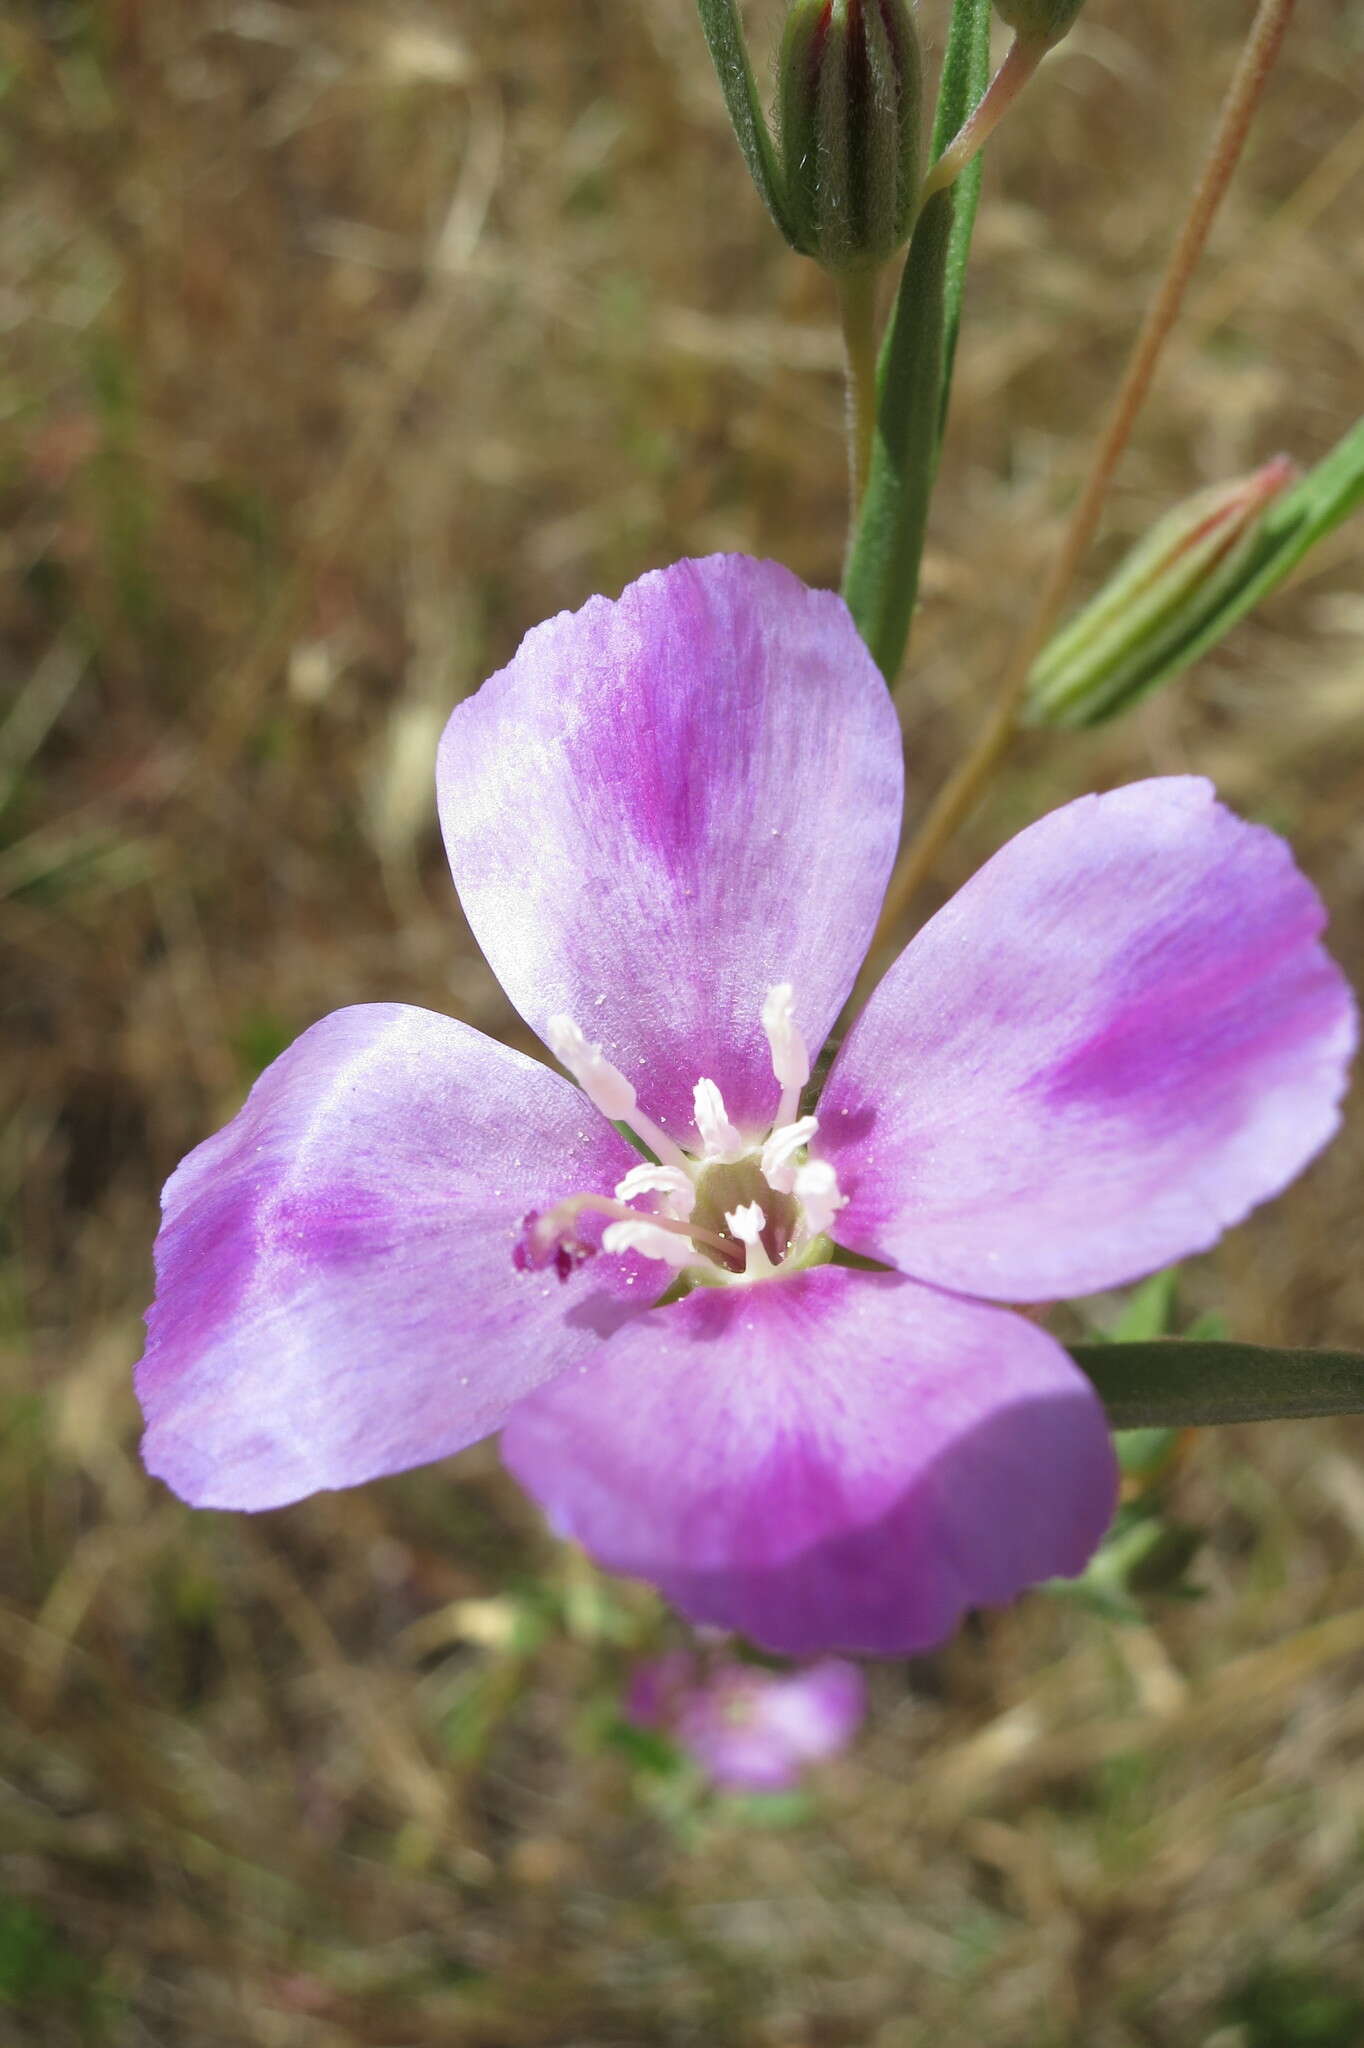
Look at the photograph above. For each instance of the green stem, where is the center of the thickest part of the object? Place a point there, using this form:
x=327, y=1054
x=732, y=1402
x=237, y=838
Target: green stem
x=857, y=314
x=1008, y=82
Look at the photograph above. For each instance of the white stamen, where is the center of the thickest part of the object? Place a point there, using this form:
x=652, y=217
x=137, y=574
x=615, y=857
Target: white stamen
x=779, y=1153
x=790, y=1056
x=640, y=1235
x=816, y=1190
x=719, y=1139
x=606, y=1087
x=748, y=1224
x=676, y=1188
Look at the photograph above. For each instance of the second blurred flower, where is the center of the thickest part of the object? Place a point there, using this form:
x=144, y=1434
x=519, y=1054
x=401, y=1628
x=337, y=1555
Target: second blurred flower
x=749, y=1729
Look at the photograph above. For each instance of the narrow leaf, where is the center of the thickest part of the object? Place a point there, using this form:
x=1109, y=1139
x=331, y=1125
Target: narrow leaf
x=965, y=75
x=729, y=53
x=881, y=581
x=1177, y=1383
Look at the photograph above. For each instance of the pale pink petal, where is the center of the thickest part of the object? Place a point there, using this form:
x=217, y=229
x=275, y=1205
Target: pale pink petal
x=336, y=1295
x=667, y=804
x=835, y=1460
x=1119, y=1037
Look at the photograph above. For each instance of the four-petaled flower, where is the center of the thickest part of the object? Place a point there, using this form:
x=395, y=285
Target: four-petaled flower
x=755, y=1355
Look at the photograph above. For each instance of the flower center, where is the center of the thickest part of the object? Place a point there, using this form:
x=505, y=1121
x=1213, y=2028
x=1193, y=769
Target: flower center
x=735, y=1206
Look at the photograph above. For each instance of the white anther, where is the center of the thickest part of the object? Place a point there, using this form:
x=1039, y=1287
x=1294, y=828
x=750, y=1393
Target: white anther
x=651, y=1242
x=605, y=1087
x=790, y=1055
x=677, y=1188
x=779, y=1153
x=719, y=1139
x=816, y=1190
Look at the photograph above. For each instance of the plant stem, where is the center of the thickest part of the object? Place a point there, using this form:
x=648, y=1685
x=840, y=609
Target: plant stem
x=857, y=315
x=959, y=794
x=1008, y=82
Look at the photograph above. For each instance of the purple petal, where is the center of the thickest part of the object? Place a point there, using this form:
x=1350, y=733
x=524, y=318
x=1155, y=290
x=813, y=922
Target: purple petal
x=836, y=1460
x=336, y=1296
x=667, y=804
x=1115, y=1040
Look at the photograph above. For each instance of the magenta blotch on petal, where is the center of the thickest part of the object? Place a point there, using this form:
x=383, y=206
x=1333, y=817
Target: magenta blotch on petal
x=1110, y=1045
x=669, y=803
x=835, y=1460
x=336, y=1293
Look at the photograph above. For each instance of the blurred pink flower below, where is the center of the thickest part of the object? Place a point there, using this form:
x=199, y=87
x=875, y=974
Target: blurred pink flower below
x=749, y=1729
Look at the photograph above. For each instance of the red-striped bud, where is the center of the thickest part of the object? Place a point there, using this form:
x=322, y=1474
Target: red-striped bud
x=848, y=128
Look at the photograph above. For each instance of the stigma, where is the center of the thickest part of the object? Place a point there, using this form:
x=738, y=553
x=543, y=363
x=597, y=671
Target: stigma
x=732, y=1206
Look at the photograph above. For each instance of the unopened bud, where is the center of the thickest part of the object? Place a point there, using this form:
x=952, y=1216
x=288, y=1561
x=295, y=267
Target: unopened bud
x=1039, y=21
x=1152, y=617
x=848, y=128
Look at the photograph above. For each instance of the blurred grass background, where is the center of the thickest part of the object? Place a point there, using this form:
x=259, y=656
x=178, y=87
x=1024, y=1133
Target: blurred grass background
x=340, y=344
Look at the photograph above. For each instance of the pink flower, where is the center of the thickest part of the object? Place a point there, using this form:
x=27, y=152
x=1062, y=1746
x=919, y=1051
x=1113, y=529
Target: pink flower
x=750, y=1730
x=671, y=820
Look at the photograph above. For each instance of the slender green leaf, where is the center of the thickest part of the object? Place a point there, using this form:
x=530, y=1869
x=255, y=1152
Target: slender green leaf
x=881, y=581
x=729, y=53
x=1176, y=1383
x=965, y=75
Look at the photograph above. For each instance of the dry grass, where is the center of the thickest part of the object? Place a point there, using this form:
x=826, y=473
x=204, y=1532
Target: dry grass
x=342, y=342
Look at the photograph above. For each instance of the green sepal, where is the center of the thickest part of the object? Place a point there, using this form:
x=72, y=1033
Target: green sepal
x=1039, y=21
x=725, y=38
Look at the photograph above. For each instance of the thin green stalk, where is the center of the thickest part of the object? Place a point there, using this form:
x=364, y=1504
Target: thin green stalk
x=857, y=315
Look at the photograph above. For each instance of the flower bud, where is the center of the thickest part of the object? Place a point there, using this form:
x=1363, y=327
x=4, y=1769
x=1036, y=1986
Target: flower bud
x=1149, y=621
x=848, y=128
x=1039, y=21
